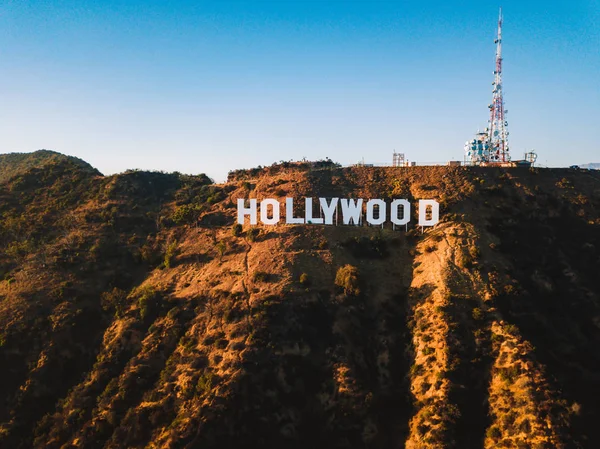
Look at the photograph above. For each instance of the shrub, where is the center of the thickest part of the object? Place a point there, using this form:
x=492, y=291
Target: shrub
x=417, y=370
x=304, y=280
x=221, y=248
x=237, y=230
x=252, y=234
x=147, y=301
x=216, y=197
x=564, y=183
x=509, y=374
x=474, y=252
x=205, y=383
x=186, y=214
x=150, y=253
x=494, y=433
x=261, y=276
x=114, y=301
x=172, y=313
x=347, y=278
x=478, y=314
x=169, y=254
x=19, y=250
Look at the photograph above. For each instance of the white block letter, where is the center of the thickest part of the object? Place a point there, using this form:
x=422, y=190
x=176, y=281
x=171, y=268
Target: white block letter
x=435, y=212
x=328, y=209
x=371, y=209
x=243, y=211
x=289, y=212
x=264, y=216
x=351, y=210
x=394, y=212
x=308, y=212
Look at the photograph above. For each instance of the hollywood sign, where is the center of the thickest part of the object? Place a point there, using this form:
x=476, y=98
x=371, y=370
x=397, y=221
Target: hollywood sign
x=352, y=212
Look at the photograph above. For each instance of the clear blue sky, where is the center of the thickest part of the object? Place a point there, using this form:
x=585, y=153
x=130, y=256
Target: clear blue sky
x=198, y=86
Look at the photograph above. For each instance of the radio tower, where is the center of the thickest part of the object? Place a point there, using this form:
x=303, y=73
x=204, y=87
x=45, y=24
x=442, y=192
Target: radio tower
x=498, y=133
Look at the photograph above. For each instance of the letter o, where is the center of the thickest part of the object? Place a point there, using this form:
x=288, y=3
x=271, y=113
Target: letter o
x=264, y=216
x=394, y=212
x=370, y=212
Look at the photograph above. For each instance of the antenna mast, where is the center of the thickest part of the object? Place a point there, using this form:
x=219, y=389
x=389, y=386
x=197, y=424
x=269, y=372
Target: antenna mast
x=498, y=133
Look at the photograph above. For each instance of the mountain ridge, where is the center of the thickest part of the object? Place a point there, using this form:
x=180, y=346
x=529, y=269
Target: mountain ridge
x=13, y=164
x=135, y=312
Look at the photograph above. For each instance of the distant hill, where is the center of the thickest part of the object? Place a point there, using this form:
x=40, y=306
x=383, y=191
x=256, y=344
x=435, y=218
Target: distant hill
x=136, y=313
x=592, y=165
x=13, y=164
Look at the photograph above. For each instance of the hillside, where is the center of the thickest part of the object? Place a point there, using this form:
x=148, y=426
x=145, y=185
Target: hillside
x=134, y=313
x=14, y=164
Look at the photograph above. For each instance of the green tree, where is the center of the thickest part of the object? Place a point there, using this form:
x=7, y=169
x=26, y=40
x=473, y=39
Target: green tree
x=347, y=278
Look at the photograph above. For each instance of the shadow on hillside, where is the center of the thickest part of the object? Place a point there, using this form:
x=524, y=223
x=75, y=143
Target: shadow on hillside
x=320, y=370
x=288, y=397
x=468, y=370
x=556, y=263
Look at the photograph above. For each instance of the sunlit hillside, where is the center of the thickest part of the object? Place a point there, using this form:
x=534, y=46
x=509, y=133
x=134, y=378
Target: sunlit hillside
x=136, y=313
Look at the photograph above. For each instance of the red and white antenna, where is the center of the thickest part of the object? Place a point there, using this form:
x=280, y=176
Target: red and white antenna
x=498, y=133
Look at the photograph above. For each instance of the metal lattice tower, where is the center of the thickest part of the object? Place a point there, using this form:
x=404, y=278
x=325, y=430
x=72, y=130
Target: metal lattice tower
x=498, y=133
x=398, y=160
x=490, y=147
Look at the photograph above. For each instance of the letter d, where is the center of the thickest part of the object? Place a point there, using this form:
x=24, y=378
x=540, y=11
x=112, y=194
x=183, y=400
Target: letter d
x=435, y=212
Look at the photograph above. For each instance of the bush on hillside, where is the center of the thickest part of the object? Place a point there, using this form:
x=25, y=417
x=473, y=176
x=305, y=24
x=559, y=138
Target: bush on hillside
x=114, y=301
x=304, y=279
x=147, y=299
x=261, y=276
x=252, y=234
x=187, y=214
x=170, y=254
x=237, y=230
x=347, y=278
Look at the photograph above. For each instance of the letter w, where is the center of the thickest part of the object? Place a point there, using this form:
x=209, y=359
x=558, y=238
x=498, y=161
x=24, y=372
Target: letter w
x=351, y=210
